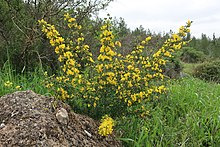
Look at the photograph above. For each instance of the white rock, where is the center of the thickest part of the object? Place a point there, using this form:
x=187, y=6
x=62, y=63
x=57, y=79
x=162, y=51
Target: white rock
x=2, y=125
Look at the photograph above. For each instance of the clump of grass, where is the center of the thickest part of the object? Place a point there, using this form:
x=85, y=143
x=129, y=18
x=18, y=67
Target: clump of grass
x=12, y=81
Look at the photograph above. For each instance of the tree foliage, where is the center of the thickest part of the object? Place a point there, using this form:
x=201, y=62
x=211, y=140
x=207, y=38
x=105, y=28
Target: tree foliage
x=210, y=47
x=20, y=36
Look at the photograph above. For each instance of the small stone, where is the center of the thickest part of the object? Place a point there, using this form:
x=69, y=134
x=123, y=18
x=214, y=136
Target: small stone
x=2, y=125
x=62, y=116
x=87, y=133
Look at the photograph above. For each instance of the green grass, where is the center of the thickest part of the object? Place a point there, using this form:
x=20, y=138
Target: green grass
x=189, y=115
x=27, y=81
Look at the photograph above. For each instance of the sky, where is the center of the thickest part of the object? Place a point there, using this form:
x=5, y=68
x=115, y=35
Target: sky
x=165, y=15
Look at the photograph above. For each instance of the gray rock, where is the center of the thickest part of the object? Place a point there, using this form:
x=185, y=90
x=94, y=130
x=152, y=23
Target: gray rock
x=62, y=116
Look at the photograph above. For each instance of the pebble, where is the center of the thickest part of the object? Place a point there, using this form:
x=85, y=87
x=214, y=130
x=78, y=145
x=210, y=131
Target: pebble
x=2, y=125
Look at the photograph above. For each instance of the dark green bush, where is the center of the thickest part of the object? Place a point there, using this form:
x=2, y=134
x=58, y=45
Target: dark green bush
x=191, y=55
x=209, y=71
x=173, y=68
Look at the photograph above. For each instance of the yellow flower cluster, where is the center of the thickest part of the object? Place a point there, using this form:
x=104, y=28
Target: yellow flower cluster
x=107, y=45
x=106, y=126
x=62, y=93
x=72, y=53
x=8, y=84
x=183, y=30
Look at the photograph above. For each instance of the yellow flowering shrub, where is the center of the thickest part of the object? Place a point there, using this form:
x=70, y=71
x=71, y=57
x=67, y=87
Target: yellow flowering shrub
x=112, y=82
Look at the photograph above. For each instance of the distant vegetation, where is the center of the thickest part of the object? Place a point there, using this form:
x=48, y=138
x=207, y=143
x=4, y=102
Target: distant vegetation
x=150, y=89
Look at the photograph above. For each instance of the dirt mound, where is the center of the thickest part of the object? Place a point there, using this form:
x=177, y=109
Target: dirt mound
x=29, y=119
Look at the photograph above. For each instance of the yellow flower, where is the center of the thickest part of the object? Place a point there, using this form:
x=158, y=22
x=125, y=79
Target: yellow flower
x=130, y=84
x=189, y=23
x=143, y=42
x=91, y=60
x=104, y=27
x=99, y=68
x=69, y=72
x=8, y=84
x=59, y=79
x=80, y=39
x=188, y=30
x=18, y=87
x=67, y=16
x=42, y=21
x=148, y=39
x=134, y=97
x=182, y=31
x=111, y=53
x=161, y=89
x=71, y=20
x=52, y=42
x=118, y=43
x=70, y=25
x=157, y=54
x=167, y=54
x=60, y=58
x=86, y=47
x=111, y=74
x=49, y=34
x=150, y=91
x=176, y=37
x=60, y=40
x=62, y=46
x=79, y=27
x=106, y=126
x=57, y=50
x=130, y=67
x=129, y=103
x=94, y=104
x=68, y=54
x=102, y=49
x=68, y=47
x=63, y=93
x=49, y=85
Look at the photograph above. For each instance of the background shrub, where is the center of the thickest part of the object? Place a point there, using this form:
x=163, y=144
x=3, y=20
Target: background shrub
x=209, y=71
x=191, y=55
x=173, y=68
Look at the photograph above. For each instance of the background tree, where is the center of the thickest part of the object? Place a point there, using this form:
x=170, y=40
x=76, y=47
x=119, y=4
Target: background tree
x=19, y=32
